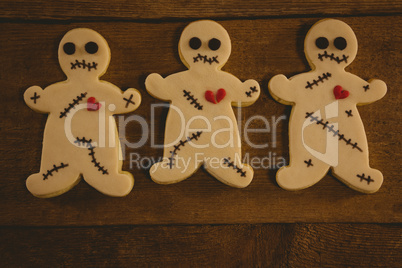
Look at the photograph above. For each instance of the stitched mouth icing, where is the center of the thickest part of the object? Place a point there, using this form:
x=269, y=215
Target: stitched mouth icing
x=83, y=65
x=325, y=55
x=204, y=58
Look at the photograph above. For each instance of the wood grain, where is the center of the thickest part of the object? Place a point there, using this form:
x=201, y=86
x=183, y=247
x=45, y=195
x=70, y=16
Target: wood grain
x=272, y=245
x=166, y=9
x=261, y=49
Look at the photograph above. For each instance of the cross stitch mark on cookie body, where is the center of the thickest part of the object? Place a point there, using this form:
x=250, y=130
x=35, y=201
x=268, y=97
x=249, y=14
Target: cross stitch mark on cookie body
x=366, y=87
x=325, y=76
x=193, y=100
x=129, y=100
x=331, y=129
x=229, y=163
x=84, y=65
x=71, y=105
x=309, y=163
x=35, y=97
x=252, y=90
x=88, y=144
x=54, y=169
x=363, y=178
x=182, y=143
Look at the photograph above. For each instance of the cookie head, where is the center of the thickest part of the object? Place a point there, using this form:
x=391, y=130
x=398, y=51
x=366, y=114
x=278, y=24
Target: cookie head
x=83, y=53
x=204, y=44
x=330, y=43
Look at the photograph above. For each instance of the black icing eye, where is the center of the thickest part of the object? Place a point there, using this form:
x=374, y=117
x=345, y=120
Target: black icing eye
x=69, y=48
x=214, y=44
x=340, y=43
x=91, y=47
x=195, y=43
x=322, y=42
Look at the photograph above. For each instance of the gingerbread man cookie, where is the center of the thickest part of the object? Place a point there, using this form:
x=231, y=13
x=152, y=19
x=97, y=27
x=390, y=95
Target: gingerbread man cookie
x=201, y=127
x=80, y=137
x=325, y=128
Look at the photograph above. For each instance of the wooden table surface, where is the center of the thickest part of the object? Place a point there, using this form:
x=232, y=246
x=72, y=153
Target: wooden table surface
x=200, y=221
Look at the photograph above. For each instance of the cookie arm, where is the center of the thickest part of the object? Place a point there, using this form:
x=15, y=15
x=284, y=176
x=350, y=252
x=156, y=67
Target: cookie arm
x=35, y=98
x=371, y=91
x=156, y=86
x=127, y=101
x=248, y=93
x=280, y=88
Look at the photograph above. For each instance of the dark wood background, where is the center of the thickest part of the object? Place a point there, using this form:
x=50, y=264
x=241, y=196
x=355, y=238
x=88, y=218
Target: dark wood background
x=200, y=221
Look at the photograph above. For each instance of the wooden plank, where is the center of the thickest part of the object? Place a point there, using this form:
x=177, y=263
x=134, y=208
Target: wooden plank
x=261, y=49
x=295, y=245
x=351, y=245
x=166, y=9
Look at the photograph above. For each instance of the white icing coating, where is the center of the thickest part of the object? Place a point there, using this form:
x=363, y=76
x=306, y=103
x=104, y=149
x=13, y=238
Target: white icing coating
x=80, y=136
x=201, y=127
x=325, y=129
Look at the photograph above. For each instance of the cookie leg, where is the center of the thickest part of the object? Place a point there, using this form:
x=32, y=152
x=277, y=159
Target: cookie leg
x=304, y=171
x=102, y=170
x=54, y=178
x=113, y=183
x=355, y=172
x=175, y=169
x=230, y=170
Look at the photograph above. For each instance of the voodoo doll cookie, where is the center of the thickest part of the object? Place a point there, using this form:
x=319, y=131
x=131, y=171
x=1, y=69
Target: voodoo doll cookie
x=201, y=127
x=80, y=137
x=325, y=128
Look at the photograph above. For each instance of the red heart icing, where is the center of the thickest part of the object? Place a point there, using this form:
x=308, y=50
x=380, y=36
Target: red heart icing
x=209, y=95
x=220, y=95
x=340, y=93
x=92, y=105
